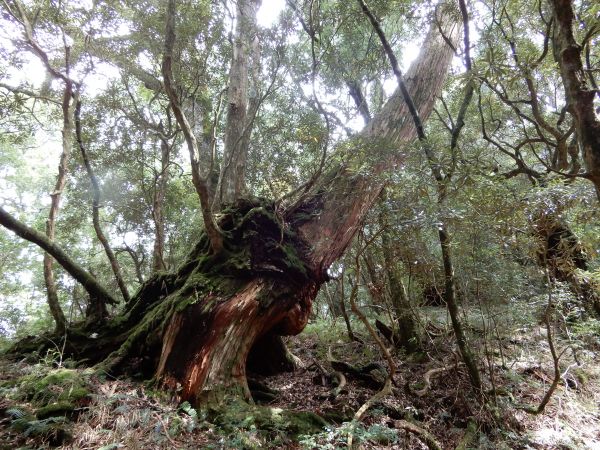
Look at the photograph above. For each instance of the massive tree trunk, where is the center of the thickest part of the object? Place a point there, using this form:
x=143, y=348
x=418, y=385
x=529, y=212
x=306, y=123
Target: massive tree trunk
x=193, y=329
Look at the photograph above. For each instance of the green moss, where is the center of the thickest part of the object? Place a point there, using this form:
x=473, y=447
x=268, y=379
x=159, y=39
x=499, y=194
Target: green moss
x=55, y=409
x=469, y=437
x=58, y=385
x=292, y=260
x=581, y=375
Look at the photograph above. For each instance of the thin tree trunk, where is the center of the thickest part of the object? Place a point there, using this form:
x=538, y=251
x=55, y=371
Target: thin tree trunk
x=158, y=262
x=239, y=113
x=450, y=298
x=101, y=311
x=61, y=180
x=200, y=184
x=137, y=262
x=342, y=303
x=406, y=326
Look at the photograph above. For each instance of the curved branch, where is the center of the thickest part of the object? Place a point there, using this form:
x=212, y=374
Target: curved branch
x=89, y=283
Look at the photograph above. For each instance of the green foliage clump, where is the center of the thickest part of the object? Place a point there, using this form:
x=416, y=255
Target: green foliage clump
x=334, y=438
x=254, y=427
x=587, y=332
x=51, y=430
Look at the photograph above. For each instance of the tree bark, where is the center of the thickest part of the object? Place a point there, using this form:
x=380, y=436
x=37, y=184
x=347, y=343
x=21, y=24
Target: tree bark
x=580, y=98
x=240, y=105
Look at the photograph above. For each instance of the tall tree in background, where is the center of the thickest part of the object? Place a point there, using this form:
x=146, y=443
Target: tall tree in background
x=242, y=103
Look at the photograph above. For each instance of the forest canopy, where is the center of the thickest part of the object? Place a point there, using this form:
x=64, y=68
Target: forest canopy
x=186, y=185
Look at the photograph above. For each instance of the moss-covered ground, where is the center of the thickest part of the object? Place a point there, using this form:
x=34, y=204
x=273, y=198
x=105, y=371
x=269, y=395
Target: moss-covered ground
x=43, y=405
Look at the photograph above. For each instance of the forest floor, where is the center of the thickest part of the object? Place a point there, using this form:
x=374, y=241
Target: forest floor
x=111, y=414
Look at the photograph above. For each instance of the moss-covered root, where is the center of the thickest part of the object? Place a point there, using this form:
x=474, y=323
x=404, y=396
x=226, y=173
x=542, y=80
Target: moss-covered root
x=468, y=438
x=424, y=436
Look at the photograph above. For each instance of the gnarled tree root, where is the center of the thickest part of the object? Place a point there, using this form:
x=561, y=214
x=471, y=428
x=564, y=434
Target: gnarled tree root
x=425, y=436
x=364, y=373
x=385, y=391
x=427, y=380
x=336, y=378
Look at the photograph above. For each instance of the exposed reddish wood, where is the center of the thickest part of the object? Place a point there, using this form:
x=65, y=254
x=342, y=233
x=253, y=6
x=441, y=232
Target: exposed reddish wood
x=206, y=361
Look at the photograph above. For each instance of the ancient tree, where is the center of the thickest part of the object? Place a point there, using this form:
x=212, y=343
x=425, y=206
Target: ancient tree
x=256, y=270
